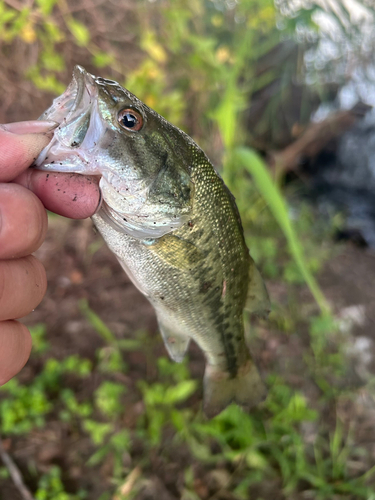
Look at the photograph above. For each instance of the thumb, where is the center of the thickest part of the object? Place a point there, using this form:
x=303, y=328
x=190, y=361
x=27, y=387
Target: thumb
x=20, y=144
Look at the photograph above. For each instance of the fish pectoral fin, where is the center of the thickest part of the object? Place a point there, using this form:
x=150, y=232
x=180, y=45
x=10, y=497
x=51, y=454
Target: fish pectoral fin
x=257, y=301
x=176, y=344
x=220, y=389
x=177, y=252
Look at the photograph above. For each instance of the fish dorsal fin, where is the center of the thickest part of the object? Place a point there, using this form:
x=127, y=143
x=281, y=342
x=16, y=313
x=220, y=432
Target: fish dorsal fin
x=175, y=343
x=257, y=300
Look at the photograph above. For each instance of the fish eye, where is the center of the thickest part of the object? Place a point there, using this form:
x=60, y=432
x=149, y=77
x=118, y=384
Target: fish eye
x=130, y=119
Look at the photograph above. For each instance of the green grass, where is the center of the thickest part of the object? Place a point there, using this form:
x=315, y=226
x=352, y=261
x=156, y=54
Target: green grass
x=285, y=441
x=277, y=205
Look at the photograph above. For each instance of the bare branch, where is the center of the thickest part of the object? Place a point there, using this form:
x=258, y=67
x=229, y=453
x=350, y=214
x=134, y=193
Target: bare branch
x=15, y=473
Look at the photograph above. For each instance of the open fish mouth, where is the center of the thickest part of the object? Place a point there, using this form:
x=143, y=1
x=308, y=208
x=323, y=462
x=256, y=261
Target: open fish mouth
x=79, y=125
x=76, y=146
x=78, y=95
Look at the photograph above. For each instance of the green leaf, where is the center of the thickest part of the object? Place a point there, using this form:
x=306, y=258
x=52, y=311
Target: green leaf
x=108, y=398
x=96, y=322
x=271, y=193
x=46, y=6
x=79, y=31
x=98, y=431
x=180, y=392
x=102, y=59
x=52, y=61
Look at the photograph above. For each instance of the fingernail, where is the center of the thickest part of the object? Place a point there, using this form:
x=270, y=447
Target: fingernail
x=30, y=127
x=100, y=202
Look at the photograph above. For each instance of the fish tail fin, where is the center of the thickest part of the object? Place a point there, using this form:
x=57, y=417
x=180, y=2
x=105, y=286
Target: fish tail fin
x=220, y=388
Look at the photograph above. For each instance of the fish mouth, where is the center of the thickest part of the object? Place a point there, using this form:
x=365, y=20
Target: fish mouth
x=80, y=92
x=75, y=111
x=76, y=144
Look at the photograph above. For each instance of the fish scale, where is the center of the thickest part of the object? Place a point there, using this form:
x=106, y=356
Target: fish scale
x=174, y=227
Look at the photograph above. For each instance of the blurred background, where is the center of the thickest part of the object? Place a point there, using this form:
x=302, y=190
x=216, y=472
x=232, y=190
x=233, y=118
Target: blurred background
x=280, y=95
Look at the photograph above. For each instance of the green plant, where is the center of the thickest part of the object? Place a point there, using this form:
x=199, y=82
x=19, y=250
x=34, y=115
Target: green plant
x=51, y=487
x=161, y=399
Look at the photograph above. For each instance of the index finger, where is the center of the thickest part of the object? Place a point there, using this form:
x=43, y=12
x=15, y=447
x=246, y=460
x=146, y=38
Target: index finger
x=17, y=152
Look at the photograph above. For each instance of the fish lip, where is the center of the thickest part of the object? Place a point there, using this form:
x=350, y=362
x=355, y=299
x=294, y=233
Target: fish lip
x=78, y=82
x=65, y=106
x=84, y=81
x=74, y=104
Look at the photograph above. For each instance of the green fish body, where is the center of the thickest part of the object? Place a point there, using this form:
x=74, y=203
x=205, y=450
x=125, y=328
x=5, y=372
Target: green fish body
x=173, y=225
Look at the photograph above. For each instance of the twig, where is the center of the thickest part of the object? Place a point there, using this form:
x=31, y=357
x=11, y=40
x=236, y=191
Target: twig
x=15, y=473
x=128, y=486
x=316, y=137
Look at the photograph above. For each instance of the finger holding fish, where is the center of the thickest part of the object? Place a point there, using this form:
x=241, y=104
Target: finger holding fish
x=24, y=192
x=70, y=195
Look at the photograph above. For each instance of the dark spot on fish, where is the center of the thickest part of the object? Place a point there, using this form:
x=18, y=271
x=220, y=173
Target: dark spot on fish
x=47, y=177
x=205, y=286
x=74, y=144
x=75, y=197
x=53, y=161
x=124, y=219
x=59, y=190
x=64, y=192
x=190, y=223
x=162, y=298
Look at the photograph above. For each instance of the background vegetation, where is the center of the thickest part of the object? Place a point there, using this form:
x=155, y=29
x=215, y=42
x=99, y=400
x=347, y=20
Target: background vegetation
x=100, y=412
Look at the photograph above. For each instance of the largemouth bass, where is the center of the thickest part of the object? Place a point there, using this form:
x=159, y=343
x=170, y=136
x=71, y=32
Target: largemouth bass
x=171, y=222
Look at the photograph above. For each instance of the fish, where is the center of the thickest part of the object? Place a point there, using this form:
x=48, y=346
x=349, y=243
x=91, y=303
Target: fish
x=173, y=225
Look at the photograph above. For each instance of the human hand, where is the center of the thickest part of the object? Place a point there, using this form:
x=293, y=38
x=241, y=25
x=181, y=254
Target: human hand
x=23, y=226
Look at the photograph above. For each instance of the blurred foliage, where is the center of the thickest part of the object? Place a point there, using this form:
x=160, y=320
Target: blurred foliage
x=269, y=445
x=233, y=75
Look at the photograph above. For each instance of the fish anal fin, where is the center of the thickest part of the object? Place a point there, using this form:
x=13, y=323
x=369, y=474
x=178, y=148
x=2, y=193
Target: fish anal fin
x=257, y=300
x=220, y=389
x=175, y=343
